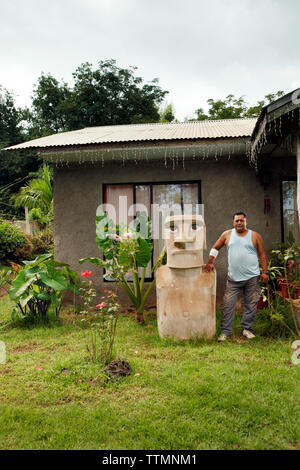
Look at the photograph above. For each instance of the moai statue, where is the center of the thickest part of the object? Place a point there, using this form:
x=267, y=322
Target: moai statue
x=186, y=296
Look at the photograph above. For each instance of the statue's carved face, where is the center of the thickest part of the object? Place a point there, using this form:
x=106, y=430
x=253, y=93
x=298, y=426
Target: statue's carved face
x=184, y=240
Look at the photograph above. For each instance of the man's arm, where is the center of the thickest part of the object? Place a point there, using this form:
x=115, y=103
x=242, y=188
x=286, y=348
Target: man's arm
x=217, y=246
x=259, y=245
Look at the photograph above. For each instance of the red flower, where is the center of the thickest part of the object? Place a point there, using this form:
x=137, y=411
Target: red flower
x=101, y=305
x=86, y=273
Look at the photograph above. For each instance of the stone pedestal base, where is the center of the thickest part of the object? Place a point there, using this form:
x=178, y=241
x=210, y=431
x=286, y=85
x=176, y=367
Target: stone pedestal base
x=186, y=303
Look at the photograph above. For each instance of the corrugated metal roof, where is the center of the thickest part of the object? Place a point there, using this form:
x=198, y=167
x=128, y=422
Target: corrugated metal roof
x=145, y=132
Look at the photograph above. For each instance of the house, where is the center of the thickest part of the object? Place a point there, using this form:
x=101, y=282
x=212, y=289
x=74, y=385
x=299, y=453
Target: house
x=226, y=165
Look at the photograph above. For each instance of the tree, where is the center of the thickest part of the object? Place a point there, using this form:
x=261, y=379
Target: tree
x=167, y=114
x=232, y=108
x=10, y=118
x=50, y=107
x=106, y=95
x=13, y=166
x=37, y=194
x=111, y=95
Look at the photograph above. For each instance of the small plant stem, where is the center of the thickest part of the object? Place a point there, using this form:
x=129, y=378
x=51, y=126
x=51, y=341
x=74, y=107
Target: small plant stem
x=145, y=297
x=128, y=290
x=142, y=280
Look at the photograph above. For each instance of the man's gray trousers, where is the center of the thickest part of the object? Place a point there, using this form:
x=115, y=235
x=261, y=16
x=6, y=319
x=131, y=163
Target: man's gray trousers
x=251, y=291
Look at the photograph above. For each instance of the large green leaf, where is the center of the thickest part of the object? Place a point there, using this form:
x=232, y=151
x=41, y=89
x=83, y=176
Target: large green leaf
x=125, y=259
x=104, y=227
x=144, y=253
x=43, y=296
x=59, y=264
x=57, y=282
x=97, y=261
x=143, y=226
x=20, y=284
x=24, y=300
x=39, y=259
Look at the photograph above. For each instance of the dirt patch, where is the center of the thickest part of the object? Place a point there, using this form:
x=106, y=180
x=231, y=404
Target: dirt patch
x=4, y=290
x=25, y=348
x=295, y=445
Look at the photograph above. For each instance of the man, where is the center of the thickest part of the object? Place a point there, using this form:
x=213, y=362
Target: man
x=245, y=250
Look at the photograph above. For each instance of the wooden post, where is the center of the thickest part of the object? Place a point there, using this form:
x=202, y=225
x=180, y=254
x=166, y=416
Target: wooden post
x=27, y=221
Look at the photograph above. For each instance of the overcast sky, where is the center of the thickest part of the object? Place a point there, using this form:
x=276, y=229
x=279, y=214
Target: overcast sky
x=198, y=49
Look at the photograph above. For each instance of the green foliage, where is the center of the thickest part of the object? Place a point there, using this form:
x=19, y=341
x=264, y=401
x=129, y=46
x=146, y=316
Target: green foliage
x=275, y=321
x=50, y=106
x=14, y=166
x=39, y=216
x=232, y=108
x=37, y=193
x=4, y=277
x=282, y=253
x=39, y=284
x=125, y=250
x=105, y=95
x=87, y=294
x=11, y=239
x=42, y=242
x=10, y=119
x=167, y=114
x=102, y=330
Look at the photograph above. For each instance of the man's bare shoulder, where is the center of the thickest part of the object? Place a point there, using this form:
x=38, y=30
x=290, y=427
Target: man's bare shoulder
x=227, y=233
x=256, y=235
x=224, y=237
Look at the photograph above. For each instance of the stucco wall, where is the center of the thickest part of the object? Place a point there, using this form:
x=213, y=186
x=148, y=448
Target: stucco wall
x=226, y=186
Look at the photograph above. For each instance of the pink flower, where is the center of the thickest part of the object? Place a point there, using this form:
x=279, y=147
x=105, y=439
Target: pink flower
x=127, y=235
x=101, y=305
x=118, y=238
x=40, y=368
x=86, y=273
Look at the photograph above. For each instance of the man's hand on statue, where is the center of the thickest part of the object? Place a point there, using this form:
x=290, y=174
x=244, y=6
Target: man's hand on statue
x=264, y=278
x=207, y=268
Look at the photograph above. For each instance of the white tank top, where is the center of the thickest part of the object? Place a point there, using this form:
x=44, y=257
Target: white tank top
x=242, y=257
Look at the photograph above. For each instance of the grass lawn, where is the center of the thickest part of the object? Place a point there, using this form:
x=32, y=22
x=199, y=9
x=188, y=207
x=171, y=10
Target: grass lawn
x=197, y=395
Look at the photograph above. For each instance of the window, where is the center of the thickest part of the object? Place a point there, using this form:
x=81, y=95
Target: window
x=290, y=217
x=185, y=195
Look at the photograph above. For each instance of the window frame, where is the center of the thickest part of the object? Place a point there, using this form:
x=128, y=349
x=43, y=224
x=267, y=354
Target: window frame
x=282, y=179
x=151, y=184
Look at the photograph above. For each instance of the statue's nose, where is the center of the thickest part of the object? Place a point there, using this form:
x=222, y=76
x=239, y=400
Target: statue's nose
x=185, y=238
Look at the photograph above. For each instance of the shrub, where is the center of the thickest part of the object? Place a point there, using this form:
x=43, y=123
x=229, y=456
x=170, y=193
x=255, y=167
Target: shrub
x=102, y=330
x=39, y=285
x=39, y=216
x=275, y=321
x=24, y=251
x=42, y=242
x=11, y=240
